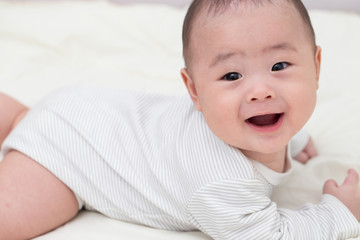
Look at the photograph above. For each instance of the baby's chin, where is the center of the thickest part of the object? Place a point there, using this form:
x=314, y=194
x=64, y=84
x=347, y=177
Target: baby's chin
x=264, y=150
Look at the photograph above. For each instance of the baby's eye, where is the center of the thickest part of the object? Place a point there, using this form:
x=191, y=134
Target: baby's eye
x=232, y=76
x=280, y=66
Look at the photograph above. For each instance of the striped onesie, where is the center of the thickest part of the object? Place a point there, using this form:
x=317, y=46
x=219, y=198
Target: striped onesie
x=152, y=160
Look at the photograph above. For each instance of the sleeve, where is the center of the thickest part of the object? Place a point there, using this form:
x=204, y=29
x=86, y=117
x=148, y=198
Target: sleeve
x=298, y=142
x=239, y=209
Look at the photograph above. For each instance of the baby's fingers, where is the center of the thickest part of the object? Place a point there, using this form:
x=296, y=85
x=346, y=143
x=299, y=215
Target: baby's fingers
x=352, y=178
x=330, y=187
x=302, y=157
x=310, y=149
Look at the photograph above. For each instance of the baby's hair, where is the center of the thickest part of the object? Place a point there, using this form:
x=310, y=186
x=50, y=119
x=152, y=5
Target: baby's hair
x=216, y=7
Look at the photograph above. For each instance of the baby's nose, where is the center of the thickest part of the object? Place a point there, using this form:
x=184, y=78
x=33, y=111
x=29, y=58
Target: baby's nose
x=260, y=93
x=253, y=99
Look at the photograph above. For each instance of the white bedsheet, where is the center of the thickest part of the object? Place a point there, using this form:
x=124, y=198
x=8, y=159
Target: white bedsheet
x=46, y=45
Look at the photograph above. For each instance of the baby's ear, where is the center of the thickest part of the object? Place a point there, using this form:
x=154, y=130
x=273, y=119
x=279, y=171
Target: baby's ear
x=190, y=85
x=318, y=62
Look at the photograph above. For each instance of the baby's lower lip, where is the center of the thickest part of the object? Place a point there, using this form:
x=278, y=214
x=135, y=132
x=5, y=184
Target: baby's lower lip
x=261, y=125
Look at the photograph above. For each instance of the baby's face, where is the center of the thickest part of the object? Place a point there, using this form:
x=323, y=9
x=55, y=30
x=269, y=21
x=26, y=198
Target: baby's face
x=254, y=75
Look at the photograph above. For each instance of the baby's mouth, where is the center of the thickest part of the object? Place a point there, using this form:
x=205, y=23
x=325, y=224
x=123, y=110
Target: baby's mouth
x=265, y=120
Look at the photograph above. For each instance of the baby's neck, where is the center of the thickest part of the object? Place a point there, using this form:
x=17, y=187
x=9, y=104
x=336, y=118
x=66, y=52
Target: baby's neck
x=275, y=161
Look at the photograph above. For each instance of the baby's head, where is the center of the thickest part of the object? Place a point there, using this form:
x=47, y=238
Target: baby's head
x=209, y=8
x=252, y=69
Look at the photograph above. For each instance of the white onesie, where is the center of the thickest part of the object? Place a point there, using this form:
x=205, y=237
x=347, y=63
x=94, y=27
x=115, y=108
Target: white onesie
x=152, y=160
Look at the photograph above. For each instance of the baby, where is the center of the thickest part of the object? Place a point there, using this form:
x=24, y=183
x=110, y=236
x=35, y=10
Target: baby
x=206, y=162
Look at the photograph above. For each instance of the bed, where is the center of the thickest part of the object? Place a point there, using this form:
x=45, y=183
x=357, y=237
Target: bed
x=45, y=45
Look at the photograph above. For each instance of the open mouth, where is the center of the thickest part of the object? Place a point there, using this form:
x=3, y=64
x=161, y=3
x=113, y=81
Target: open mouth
x=265, y=120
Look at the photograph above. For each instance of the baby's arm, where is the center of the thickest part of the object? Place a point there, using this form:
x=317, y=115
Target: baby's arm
x=239, y=209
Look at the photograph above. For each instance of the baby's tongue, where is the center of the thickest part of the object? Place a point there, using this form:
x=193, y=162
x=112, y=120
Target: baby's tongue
x=264, y=120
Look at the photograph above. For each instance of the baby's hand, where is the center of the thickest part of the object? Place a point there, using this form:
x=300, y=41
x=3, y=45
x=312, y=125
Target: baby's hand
x=307, y=153
x=348, y=193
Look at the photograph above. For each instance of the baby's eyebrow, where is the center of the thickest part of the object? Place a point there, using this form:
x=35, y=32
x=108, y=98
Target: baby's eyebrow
x=224, y=56
x=280, y=46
